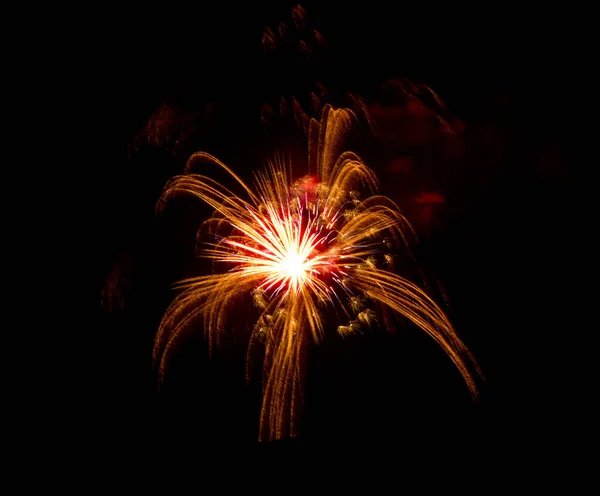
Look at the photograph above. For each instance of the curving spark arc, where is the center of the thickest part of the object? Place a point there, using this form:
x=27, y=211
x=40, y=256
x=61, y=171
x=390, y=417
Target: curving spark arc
x=311, y=255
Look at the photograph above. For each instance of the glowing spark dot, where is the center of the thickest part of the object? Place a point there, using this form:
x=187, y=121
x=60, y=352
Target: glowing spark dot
x=310, y=257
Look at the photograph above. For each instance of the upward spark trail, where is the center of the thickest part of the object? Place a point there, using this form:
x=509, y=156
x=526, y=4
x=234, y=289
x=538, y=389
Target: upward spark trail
x=311, y=255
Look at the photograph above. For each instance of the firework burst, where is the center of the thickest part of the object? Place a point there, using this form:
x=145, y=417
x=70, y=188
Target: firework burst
x=312, y=255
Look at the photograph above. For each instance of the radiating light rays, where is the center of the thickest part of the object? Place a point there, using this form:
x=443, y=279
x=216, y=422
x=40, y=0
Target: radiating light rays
x=313, y=256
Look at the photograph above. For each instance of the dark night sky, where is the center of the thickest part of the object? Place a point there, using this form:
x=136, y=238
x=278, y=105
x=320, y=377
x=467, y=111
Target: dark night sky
x=501, y=72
